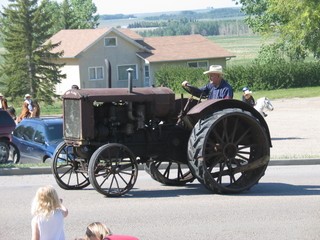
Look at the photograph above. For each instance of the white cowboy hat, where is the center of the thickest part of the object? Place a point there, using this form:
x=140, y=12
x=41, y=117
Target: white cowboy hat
x=246, y=92
x=27, y=95
x=214, y=69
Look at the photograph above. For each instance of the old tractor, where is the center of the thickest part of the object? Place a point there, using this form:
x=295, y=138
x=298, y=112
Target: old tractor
x=108, y=133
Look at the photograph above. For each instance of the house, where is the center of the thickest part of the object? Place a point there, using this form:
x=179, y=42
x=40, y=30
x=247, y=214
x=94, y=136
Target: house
x=99, y=58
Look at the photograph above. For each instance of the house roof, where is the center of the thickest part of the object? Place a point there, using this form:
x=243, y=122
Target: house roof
x=75, y=41
x=176, y=48
x=153, y=49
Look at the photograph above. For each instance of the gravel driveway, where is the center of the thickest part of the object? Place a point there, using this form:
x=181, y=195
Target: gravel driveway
x=294, y=128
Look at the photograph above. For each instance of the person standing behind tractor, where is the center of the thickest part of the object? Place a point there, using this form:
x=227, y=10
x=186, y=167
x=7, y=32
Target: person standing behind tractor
x=3, y=102
x=26, y=108
x=247, y=97
x=35, y=109
x=217, y=88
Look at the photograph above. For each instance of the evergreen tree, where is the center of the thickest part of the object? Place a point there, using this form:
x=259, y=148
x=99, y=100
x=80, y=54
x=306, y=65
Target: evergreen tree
x=68, y=19
x=28, y=65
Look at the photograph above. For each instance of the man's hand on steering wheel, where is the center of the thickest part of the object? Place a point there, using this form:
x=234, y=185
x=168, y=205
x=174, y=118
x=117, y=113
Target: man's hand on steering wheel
x=185, y=85
x=192, y=90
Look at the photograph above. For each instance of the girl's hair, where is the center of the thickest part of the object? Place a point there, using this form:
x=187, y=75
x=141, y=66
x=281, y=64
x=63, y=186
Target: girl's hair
x=45, y=202
x=98, y=230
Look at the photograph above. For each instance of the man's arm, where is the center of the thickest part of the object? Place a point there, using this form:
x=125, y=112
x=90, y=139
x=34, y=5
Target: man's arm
x=198, y=92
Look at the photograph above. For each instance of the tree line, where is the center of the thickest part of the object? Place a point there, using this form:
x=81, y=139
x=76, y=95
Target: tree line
x=210, y=13
x=188, y=27
x=28, y=64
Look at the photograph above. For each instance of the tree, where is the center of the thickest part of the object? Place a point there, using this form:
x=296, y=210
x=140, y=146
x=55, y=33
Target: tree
x=84, y=11
x=68, y=19
x=295, y=23
x=28, y=65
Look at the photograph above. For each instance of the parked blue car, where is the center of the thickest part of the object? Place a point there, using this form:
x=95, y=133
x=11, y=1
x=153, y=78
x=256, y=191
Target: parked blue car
x=37, y=138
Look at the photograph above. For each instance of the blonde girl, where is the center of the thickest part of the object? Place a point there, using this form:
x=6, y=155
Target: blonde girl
x=48, y=215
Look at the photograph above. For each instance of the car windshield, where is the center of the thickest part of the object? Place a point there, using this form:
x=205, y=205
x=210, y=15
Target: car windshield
x=55, y=132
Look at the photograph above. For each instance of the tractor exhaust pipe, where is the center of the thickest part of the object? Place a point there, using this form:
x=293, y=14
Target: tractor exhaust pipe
x=130, y=70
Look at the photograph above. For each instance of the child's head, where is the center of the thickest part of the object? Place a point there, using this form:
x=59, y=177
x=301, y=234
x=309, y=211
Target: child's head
x=246, y=92
x=45, y=201
x=97, y=231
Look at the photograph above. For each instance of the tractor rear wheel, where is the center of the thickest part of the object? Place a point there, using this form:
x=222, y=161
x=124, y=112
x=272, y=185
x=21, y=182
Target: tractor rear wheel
x=228, y=151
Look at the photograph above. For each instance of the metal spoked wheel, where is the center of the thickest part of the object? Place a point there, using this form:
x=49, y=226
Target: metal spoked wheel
x=229, y=151
x=113, y=170
x=169, y=172
x=69, y=171
x=4, y=152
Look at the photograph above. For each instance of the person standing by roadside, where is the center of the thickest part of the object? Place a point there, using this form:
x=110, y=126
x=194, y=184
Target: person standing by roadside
x=48, y=215
x=27, y=108
x=3, y=102
x=28, y=101
x=247, y=97
x=35, y=109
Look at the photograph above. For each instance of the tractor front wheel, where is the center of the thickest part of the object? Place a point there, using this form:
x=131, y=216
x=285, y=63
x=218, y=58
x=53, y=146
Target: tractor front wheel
x=70, y=171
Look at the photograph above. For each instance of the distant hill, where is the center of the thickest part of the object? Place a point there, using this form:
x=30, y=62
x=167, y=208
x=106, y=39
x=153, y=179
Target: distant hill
x=208, y=13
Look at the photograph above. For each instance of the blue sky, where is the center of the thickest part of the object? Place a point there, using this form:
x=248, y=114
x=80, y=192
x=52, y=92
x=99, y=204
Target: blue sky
x=143, y=6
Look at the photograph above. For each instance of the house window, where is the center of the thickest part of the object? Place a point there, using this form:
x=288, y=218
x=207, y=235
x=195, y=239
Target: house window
x=123, y=74
x=146, y=71
x=110, y=41
x=146, y=76
x=198, y=64
x=95, y=73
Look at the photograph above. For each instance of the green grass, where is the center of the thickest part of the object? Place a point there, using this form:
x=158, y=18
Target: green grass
x=245, y=48
x=285, y=93
x=54, y=109
x=277, y=94
x=25, y=165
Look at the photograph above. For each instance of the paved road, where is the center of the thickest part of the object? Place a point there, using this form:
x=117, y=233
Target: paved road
x=284, y=205
x=294, y=128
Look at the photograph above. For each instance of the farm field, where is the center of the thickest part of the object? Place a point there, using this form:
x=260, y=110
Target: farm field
x=245, y=48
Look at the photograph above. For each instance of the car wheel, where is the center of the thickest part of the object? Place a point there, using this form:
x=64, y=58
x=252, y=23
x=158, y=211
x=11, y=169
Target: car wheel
x=47, y=160
x=4, y=152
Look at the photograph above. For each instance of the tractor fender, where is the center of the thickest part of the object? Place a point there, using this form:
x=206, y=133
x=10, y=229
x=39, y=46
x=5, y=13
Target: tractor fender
x=208, y=107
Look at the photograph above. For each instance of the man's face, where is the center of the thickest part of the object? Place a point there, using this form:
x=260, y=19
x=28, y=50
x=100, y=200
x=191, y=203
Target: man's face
x=215, y=78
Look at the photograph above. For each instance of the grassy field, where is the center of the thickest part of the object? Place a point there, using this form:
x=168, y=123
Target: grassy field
x=285, y=93
x=245, y=48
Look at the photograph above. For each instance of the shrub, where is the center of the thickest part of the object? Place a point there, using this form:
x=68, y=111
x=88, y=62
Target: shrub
x=258, y=76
